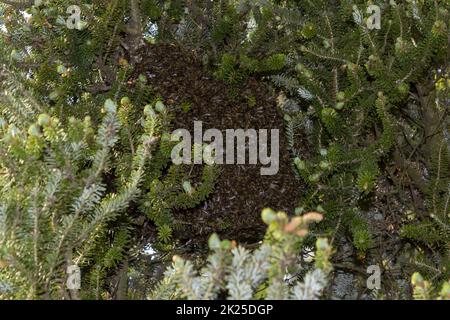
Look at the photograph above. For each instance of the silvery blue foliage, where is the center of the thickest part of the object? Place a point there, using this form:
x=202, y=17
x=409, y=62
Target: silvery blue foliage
x=90, y=197
x=247, y=272
x=312, y=286
x=305, y=94
x=343, y=286
x=278, y=290
x=290, y=106
x=208, y=283
x=5, y=287
x=357, y=15
x=242, y=278
x=289, y=84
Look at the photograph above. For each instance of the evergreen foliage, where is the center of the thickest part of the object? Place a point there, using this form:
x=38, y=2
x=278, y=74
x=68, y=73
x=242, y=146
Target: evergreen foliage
x=240, y=274
x=57, y=199
x=86, y=177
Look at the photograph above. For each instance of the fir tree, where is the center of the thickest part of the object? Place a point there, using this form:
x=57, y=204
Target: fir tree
x=366, y=113
x=246, y=275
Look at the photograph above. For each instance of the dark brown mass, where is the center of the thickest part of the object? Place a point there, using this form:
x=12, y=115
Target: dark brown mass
x=234, y=209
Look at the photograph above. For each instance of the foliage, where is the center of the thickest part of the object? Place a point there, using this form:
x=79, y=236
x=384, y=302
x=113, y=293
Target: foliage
x=354, y=99
x=361, y=103
x=366, y=123
x=57, y=199
x=423, y=289
x=240, y=274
